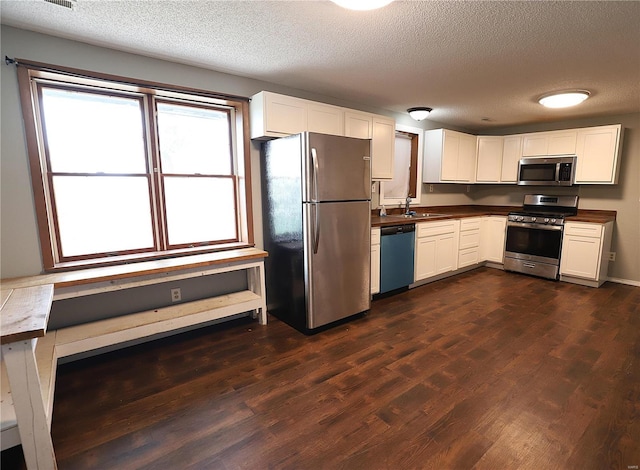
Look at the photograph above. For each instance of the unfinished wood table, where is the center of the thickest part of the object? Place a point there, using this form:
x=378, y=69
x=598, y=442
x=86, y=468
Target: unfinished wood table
x=24, y=315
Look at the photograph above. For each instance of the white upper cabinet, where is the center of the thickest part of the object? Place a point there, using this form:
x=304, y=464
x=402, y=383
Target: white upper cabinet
x=511, y=155
x=550, y=143
x=381, y=131
x=359, y=125
x=325, y=119
x=449, y=157
x=383, y=144
x=489, y=159
x=274, y=115
x=598, y=151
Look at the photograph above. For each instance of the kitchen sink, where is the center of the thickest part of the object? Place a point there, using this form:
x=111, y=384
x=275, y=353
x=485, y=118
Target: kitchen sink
x=418, y=215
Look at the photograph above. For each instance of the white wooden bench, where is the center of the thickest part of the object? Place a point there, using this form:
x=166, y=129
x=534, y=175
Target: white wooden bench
x=30, y=353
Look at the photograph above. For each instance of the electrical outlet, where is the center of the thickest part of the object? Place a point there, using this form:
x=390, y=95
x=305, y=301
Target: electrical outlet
x=612, y=256
x=468, y=188
x=176, y=294
x=430, y=188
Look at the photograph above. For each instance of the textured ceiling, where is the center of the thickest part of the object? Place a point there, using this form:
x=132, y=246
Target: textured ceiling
x=478, y=64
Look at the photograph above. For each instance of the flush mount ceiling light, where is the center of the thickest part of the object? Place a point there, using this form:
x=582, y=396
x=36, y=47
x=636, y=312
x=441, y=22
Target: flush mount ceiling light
x=563, y=99
x=419, y=113
x=362, y=4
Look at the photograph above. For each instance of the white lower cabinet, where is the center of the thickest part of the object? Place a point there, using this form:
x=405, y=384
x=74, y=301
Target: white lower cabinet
x=492, y=234
x=469, y=244
x=436, y=248
x=375, y=260
x=585, y=253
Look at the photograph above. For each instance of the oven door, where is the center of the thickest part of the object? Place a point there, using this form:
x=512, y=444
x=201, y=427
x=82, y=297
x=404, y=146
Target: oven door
x=534, y=242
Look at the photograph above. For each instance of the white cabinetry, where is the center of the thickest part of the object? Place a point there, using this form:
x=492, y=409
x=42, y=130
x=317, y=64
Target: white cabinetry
x=436, y=248
x=273, y=115
x=382, y=131
x=469, y=245
x=492, y=234
x=585, y=253
x=598, y=151
x=375, y=260
x=449, y=157
x=489, y=159
x=383, y=144
x=325, y=119
x=359, y=125
x=511, y=155
x=549, y=143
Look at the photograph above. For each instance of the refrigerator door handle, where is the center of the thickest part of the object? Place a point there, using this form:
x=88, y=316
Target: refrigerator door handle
x=314, y=157
x=316, y=227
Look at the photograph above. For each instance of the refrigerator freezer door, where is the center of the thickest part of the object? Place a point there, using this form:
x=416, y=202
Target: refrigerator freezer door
x=337, y=168
x=337, y=280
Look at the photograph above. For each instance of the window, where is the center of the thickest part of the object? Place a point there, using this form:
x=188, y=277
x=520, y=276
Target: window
x=407, y=171
x=122, y=172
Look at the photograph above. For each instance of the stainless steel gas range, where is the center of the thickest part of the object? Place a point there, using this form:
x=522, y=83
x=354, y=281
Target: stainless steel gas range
x=534, y=234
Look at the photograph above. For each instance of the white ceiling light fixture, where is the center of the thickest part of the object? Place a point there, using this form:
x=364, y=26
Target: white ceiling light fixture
x=419, y=112
x=362, y=4
x=563, y=99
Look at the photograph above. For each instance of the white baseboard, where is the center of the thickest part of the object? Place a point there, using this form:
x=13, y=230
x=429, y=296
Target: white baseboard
x=628, y=282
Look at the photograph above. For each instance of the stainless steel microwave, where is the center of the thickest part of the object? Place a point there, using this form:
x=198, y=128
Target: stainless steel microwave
x=558, y=170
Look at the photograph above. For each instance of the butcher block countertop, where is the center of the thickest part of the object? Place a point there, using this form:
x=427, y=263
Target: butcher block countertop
x=436, y=213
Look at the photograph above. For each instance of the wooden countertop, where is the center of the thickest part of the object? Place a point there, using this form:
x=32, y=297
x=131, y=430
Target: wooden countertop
x=25, y=312
x=460, y=212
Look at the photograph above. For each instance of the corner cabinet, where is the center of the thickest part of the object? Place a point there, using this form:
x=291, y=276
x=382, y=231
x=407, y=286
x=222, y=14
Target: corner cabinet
x=436, y=250
x=449, y=157
x=375, y=260
x=598, y=151
x=584, y=258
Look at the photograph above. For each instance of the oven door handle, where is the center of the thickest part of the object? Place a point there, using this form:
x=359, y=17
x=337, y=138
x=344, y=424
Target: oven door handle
x=538, y=226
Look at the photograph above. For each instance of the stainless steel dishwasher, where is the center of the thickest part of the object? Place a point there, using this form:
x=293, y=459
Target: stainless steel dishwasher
x=396, y=256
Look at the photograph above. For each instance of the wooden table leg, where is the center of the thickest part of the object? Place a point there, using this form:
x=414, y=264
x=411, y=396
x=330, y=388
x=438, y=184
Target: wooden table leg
x=26, y=391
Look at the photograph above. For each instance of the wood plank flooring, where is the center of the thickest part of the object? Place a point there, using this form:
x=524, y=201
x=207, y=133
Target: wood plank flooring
x=485, y=370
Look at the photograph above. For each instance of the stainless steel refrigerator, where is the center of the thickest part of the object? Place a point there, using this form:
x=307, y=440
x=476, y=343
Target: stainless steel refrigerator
x=316, y=205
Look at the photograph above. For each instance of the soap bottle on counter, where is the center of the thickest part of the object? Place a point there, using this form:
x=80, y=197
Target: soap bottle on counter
x=383, y=211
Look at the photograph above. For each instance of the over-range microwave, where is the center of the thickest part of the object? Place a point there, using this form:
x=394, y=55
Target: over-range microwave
x=558, y=170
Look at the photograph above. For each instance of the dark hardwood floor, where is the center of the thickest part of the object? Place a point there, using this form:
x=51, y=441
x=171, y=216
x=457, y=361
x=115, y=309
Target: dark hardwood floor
x=485, y=370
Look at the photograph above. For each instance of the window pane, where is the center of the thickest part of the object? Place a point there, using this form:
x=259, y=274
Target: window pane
x=91, y=133
x=200, y=209
x=194, y=140
x=101, y=214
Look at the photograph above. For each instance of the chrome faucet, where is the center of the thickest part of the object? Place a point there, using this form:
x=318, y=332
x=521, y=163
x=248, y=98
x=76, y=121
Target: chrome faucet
x=407, y=204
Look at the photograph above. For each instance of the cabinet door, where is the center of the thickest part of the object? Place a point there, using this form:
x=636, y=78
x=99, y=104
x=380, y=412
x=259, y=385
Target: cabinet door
x=383, y=145
x=285, y=114
x=325, y=119
x=467, y=158
x=450, y=151
x=492, y=234
x=359, y=125
x=597, y=151
x=511, y=155
x=425, y=261
x=562, y=143
x=446, y=253
x=535, y=144
x=580, y=256
x=489, y=159
x=375, y=269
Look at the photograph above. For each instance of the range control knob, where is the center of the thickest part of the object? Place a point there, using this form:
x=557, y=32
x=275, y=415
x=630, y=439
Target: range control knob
x=546, y=221
x=533, y=219
x=553, y=221
x=519, y=218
